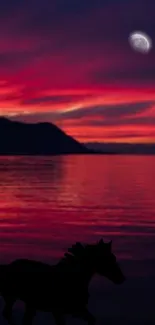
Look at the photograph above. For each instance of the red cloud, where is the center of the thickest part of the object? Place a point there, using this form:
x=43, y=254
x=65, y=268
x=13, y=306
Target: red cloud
x=59, y=57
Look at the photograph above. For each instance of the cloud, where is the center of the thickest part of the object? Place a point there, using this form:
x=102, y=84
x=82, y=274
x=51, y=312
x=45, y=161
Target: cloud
x=139, y=121
x=108, y=112
x=57, y=99
x=141, y=75
x=101, y=114
x=76, y=45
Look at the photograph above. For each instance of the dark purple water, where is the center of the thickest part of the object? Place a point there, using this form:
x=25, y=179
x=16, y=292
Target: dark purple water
x=46, y=204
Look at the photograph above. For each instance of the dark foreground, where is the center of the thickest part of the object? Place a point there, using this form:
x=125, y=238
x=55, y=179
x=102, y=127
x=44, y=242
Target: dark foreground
x=48, y=203
x=128, y=307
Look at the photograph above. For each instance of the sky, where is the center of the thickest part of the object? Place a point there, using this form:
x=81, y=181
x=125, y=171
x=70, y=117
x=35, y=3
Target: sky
x=69, y=62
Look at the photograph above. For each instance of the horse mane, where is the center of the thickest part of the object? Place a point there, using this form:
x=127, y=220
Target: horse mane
x=78, y=253
x=74, y=254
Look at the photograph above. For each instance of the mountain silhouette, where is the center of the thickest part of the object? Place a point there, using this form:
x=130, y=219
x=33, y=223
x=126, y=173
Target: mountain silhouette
x=17, y=138
x=122, y=148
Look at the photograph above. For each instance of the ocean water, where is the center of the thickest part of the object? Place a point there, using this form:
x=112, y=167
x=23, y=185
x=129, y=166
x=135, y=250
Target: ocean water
x=49, y=203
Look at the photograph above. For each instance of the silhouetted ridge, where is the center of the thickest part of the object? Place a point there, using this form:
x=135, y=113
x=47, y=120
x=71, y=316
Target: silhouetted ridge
x=122, y=148
x=18, y=138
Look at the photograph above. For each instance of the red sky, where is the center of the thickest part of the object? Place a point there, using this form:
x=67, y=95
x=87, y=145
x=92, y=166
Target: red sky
x=70, y=63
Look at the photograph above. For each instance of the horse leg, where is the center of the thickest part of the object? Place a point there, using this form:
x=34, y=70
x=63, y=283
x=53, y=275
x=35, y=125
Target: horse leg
x=7, y=311
x=87, y=316
x=29, y=315
x=91, y=319
x=59, y=319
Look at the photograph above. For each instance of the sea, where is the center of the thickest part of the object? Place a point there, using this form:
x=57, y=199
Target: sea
x=49, y=203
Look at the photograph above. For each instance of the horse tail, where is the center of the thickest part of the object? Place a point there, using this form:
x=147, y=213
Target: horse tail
x=3, y=269
x=2, y=273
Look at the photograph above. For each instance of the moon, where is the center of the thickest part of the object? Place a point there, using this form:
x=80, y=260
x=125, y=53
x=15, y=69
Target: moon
x=140, y=42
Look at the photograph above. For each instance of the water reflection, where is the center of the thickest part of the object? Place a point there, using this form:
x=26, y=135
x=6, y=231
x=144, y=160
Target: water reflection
x=47, y=203
x=25, y=181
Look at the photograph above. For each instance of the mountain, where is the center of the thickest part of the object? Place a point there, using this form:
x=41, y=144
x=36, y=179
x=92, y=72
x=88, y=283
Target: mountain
x=17, y=138
x=122, y=148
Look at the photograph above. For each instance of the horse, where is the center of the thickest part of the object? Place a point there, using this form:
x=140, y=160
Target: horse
x=61, y=288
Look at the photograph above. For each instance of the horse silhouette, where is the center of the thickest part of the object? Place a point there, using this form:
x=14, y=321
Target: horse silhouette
x=61, y=288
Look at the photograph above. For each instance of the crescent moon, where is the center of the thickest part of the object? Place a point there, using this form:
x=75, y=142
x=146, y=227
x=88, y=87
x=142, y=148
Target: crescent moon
x=140, y=42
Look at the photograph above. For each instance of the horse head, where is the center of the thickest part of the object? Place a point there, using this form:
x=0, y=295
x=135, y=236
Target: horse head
x=105, y=262
x=95, y=258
